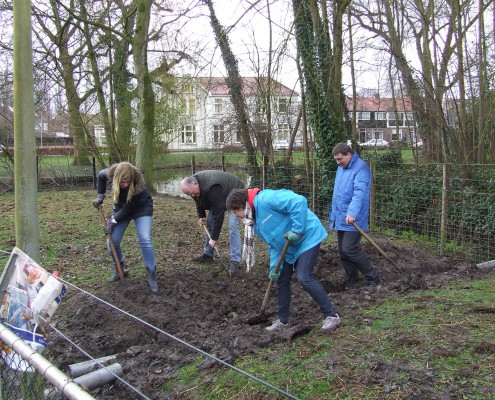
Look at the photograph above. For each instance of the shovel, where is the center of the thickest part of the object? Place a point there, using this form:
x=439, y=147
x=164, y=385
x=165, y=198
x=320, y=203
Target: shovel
x=262, y=317
x=112, y=246
x=216, y=250
x=375, y=245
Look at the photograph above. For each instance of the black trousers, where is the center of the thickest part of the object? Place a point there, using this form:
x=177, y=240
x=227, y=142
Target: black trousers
x=354, y=260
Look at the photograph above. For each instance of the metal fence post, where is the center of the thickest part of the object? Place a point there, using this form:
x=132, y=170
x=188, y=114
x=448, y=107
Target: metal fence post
x=444, y=210
x=372, y=195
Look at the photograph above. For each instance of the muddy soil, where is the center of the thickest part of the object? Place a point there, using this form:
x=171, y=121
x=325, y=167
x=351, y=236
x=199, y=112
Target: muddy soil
x=201, y=307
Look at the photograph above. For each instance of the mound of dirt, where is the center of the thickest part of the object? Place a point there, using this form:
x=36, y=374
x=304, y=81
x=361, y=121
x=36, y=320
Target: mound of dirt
x=202, y=309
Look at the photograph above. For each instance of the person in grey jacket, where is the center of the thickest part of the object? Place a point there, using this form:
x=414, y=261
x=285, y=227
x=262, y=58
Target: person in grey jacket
x=210, y=189
x=350, y=203
x=131, y=201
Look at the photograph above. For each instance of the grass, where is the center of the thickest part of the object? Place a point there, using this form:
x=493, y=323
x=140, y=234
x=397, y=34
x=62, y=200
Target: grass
x=443, y=338
x=428, y=344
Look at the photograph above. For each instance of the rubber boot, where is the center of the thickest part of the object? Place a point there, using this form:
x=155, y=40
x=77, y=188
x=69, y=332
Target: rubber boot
x=152, y=281
x=116, y=277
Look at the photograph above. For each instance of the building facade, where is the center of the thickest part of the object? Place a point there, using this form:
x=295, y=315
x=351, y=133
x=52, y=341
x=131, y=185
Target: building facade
x=205, y=117
x=384, y=118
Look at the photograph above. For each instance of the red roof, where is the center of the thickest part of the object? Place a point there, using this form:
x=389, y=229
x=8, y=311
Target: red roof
x=381, y=104
x=217, y=86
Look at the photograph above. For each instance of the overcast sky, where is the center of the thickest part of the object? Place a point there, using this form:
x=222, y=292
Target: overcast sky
x=249, y=37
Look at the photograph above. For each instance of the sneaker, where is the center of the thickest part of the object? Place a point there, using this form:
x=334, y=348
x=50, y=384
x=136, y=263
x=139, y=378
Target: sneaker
x=276, y=326
x=234, y=268
x=330, y=324
x=203, y=258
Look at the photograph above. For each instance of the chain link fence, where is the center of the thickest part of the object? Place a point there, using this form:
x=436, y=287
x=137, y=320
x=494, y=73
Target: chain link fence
x=27, y=375
x=450, y=206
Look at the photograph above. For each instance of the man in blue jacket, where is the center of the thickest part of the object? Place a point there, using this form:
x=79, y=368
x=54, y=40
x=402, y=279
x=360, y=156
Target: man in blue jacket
x=350, y=203
x=278, y=216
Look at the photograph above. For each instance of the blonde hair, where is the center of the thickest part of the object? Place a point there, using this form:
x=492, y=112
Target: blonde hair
x=123, y=172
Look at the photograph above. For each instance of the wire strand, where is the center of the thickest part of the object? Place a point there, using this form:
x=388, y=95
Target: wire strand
x=184, y=343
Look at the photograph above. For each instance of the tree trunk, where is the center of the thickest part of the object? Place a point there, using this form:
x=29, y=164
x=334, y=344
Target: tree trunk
x=234, y=83
x=146, y=96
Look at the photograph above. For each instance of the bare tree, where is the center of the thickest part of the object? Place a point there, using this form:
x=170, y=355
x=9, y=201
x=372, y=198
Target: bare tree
x=321, y=65
x=234, y=83
x=437, y=30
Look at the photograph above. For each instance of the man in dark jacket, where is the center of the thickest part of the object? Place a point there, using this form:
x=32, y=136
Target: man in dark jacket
x=210, y=189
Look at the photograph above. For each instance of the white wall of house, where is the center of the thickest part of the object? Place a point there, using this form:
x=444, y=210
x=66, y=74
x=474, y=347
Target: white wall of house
x=207, y=119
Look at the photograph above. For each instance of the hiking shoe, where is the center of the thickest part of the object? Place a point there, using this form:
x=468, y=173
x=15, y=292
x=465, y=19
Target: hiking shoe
x=276, y=326
x=375, y=284
x=234, y=268
x=203, y=258
x=330, y=324
x=116, y=277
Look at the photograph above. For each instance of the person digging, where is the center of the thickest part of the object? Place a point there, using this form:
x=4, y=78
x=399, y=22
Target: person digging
x=278, y=216
x=131, y=201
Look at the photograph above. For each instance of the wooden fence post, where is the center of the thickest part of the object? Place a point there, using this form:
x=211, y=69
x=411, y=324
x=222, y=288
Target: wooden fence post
x=193, y=165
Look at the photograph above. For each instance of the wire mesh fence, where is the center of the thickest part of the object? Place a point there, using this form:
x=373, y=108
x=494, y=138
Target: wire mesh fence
x=451, y=206
x=27, y=375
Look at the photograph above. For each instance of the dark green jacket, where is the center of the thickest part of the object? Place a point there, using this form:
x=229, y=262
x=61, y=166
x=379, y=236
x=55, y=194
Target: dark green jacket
x=214, y=188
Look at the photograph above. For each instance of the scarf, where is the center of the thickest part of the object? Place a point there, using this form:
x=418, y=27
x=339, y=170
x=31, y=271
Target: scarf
x=248, y=246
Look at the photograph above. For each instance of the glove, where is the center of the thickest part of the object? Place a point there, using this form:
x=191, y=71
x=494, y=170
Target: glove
x=99, y=200
x=110, y=225
x=273, y=275
x=292, y=236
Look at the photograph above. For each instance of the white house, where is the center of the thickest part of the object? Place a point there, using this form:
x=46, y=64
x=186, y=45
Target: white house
x=205, y=116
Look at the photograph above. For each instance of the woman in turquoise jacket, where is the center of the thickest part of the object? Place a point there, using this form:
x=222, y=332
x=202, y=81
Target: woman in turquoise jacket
x=350, y=203
x=278, y=216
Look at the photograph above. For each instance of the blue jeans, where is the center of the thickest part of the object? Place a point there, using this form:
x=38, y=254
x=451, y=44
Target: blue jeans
x=143, y=229
x=354, y=260
x=304, y=267
x=234, y=237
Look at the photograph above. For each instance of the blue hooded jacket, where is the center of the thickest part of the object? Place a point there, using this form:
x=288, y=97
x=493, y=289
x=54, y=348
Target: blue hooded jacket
x=279, y=211
x=351, y=195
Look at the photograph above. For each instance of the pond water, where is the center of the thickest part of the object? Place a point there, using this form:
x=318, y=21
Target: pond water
x=170, y=188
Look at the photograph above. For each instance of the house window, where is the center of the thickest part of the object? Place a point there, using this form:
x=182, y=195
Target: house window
x=283, y=106
x=238, y=138
x=218, y=106
x=396, y=134
x=218, y=133
x=188, y=106
x=377, y=133
x=187, y=88
x=395, y=119
x=380, y=116
x=362, y=135
x=283, y=131
x=261, y=106
x=363, y=116
x=189, y=134
x=409, y=119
